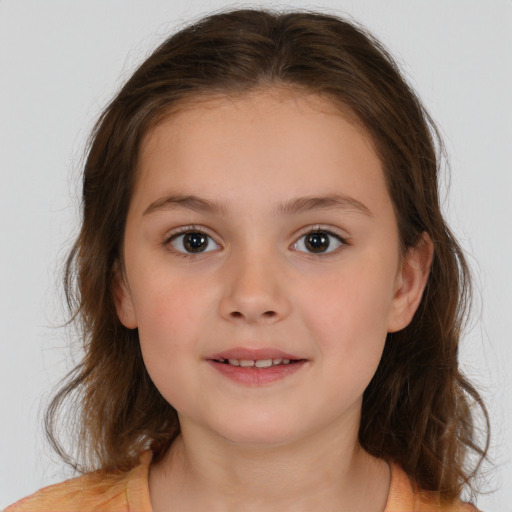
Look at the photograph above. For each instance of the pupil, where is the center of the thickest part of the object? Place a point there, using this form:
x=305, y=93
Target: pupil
x=195, y=242
x=317, y=242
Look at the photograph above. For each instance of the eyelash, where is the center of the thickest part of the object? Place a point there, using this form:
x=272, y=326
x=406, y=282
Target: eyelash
x=180, y=232
x=320, y=230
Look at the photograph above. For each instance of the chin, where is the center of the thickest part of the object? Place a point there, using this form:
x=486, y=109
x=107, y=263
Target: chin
x=260, y=432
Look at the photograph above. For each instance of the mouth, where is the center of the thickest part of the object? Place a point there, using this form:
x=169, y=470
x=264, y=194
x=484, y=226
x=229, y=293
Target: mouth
x=256, y=367
x=255, y=358
x=258, y=364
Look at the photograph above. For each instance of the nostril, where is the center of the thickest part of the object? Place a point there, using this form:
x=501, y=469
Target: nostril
x=266, y=314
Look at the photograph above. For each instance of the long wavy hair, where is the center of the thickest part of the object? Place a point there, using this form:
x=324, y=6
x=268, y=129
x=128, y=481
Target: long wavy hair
x=419, y=409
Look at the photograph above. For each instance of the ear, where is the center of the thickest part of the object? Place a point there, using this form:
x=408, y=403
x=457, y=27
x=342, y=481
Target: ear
x=411, y=280
x=123, y=298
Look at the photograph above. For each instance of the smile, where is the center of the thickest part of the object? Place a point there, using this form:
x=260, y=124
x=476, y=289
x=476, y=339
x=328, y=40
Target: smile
x=258, y=363
x=256, y=367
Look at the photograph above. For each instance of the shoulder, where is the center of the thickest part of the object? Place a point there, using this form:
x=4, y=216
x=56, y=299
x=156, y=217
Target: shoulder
x=93, y=492
x=404, y=496
x=429, y=503
x=83, y=494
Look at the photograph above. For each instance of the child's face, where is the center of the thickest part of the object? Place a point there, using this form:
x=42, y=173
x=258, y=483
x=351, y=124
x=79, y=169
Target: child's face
x=263, y=223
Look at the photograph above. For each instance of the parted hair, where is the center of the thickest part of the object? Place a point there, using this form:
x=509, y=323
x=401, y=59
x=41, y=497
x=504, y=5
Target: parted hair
x=419, y=409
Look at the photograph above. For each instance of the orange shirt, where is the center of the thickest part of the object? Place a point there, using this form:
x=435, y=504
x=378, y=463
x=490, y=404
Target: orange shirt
x=129, y=492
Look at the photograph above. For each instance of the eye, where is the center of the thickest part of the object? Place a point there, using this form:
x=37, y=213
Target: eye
x=193, y=242
x=318, y=242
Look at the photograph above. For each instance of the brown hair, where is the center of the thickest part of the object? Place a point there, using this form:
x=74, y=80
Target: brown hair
x=418, y=409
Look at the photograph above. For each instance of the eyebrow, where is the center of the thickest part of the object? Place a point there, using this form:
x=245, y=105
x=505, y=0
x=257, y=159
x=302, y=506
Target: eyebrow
x=328, y=202
x=185, y=202
x=291, y=207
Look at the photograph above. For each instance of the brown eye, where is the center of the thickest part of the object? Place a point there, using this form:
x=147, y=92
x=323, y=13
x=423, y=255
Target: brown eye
x=318, y=242
x=193, y=242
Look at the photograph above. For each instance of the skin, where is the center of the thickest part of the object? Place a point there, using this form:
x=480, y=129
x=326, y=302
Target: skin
x=290, y=444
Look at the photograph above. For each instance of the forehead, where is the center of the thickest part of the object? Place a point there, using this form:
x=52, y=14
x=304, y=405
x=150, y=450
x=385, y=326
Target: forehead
x=271, y=141
x=193, y=118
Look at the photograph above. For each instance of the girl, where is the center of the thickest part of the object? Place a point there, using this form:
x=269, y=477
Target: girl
x=270, y=299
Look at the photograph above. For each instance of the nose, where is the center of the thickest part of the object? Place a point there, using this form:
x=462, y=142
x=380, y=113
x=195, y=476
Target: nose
x=254, y=290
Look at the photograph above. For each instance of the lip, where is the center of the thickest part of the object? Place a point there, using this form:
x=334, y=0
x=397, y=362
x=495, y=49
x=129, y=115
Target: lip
x=253, y=354
x=251, y=376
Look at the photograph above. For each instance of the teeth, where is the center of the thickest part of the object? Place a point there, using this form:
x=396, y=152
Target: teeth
x=263, y=363
x=259, y=363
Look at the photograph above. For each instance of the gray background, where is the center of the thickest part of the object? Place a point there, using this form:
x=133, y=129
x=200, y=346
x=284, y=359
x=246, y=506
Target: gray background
x=61, y=61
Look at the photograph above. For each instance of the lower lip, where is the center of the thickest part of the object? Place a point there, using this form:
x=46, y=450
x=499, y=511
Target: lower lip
x=252, y=376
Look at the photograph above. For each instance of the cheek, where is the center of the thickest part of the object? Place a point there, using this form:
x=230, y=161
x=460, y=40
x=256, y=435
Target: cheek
x=169, y=304
x=348, y=314
x=172, y=314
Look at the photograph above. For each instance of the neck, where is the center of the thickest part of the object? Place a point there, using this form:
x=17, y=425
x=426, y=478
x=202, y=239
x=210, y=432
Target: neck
x=331, y=472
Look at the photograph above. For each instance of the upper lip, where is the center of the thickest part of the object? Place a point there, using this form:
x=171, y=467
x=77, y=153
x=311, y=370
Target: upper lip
x=250, y=354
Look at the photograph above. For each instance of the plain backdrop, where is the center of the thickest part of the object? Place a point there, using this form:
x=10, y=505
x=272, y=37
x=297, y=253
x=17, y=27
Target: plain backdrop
x=62, y=60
